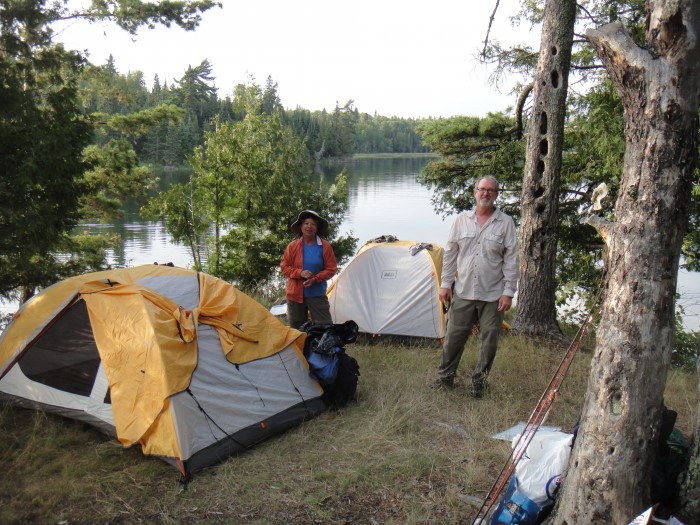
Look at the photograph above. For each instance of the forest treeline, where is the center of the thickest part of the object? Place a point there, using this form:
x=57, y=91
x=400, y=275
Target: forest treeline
x=339, y=133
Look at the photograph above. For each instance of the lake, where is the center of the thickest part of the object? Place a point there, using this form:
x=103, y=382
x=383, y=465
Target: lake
x=384, y=199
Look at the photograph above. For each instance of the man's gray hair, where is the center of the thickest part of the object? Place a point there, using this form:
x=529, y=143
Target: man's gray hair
x=488, y=177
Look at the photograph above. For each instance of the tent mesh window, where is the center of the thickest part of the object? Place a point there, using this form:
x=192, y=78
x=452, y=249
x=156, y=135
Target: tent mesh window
x=65, y=356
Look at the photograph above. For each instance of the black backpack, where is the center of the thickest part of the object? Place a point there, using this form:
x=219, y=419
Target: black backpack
x=328, y=340
x=339, y=392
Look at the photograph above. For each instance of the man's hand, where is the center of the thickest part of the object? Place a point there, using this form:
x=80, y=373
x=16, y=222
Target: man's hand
x=445, y=295
x=306, y=274
x=504, y=303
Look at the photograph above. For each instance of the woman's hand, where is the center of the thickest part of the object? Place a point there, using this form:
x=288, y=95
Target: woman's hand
x=306, y=274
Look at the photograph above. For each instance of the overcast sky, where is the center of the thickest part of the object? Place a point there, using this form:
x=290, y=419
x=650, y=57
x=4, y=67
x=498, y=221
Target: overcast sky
x=408, y=58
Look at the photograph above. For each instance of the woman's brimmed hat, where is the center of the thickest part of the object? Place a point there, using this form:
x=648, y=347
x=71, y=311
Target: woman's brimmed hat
x=320, y=221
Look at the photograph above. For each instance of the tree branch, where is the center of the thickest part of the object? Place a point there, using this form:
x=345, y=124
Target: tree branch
x=488, y=31
x=519, y=108
x=616, y=48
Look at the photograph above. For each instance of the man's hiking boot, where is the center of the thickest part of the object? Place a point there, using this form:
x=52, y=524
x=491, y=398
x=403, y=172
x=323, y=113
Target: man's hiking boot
x=478, y=390
x=443, y=383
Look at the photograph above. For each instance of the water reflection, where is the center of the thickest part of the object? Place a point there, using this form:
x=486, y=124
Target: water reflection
x=386, y=199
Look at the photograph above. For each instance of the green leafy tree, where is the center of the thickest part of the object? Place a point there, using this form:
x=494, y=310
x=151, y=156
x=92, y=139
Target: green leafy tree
x=250, y=180
x=271, y=184
x=42, y=136
x=196, y=95
x=43, y=133
x=338, y=131
x=115, y=173
x=130, y=15
x=469, y=148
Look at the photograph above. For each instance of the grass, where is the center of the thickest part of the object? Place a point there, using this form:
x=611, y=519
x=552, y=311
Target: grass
x=403, y=454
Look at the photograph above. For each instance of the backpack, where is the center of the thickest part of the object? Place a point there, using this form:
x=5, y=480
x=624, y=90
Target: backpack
x=337, y=393
x=335, y=370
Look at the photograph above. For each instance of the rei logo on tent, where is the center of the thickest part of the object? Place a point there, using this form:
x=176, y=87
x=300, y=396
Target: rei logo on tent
x=389, y=274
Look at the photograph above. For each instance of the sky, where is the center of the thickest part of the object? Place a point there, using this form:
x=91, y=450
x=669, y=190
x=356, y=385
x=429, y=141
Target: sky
x=409, y=58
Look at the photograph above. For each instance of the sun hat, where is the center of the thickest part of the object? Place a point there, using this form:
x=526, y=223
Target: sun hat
x=320, y=221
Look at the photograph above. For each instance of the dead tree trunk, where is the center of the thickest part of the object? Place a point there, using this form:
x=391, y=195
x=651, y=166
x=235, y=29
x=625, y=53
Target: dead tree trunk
x=536, y=312
x=609, y=473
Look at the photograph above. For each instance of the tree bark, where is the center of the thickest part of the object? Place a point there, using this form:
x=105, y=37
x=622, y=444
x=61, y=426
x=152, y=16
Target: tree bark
x=610, y=469
x=536, y=312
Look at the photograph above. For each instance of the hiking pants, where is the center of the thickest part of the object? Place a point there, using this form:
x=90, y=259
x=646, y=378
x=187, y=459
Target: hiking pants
x=318, y=307
x=461, y=319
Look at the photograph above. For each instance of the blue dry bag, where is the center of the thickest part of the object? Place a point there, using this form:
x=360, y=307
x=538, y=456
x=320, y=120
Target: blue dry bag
x=324, y=367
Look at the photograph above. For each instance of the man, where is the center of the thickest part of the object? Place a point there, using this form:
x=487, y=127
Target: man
x=481, y=261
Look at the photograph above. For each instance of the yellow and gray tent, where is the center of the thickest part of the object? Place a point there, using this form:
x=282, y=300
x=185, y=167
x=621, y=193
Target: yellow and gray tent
x=180, y=362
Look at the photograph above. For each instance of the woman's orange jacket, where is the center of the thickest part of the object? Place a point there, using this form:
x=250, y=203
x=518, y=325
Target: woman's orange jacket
x=293, y=264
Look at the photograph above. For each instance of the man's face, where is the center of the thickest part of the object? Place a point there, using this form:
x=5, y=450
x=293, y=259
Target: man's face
x=485, y=193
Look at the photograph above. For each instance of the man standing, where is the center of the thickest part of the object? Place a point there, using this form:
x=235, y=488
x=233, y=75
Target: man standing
x=481, y=261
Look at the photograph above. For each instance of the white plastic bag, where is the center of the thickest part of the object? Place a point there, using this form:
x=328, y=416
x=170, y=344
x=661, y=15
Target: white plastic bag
x=542, y=467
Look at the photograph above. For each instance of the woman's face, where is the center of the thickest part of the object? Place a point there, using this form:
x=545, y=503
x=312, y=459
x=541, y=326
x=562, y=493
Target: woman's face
x=309, y=227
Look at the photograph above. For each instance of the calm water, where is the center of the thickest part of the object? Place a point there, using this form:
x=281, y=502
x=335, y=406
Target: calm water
x=385, y=199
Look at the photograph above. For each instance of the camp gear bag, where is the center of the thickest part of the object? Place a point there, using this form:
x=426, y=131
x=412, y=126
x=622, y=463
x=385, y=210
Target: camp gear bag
x=335, y=370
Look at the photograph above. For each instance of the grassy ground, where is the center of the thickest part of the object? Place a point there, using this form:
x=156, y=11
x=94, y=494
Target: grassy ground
x=403, y=454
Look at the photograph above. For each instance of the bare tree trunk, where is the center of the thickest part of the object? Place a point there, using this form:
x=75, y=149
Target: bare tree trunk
x=609, y=473
x=26, y=293
x=536, y=312
x=689, y=511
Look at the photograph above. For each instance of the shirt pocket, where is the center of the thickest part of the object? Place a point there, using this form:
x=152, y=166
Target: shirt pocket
x=465, y=239
x=494, y=246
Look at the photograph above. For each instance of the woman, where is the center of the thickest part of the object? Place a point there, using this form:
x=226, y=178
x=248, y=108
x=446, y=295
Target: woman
x=308, y=262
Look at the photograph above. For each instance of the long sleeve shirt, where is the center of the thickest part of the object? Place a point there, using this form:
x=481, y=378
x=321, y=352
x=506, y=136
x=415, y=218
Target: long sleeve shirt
x=482, y=262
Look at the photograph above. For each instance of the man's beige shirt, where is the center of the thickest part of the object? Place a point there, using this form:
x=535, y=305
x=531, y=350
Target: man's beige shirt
x=481, y=261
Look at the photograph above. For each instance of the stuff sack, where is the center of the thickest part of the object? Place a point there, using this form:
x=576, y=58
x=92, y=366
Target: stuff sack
x=324, y=367
x=335, y=370
x=517, y=509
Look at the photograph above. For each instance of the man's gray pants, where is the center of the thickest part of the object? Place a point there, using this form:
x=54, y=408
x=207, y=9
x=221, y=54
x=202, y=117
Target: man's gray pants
x=461, y=319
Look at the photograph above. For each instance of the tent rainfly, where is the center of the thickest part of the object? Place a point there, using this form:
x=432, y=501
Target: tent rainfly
x=391, y=288
x=177, y=361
